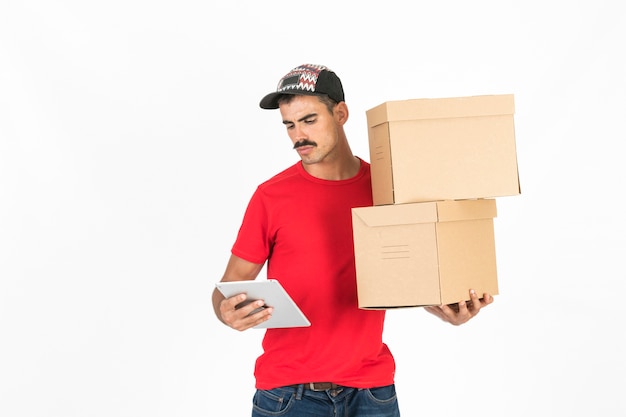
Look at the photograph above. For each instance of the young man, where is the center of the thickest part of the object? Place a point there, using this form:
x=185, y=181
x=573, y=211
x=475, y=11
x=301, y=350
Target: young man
x=299, y=222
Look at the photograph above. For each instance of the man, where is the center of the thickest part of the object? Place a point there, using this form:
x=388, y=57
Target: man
x=299, y=221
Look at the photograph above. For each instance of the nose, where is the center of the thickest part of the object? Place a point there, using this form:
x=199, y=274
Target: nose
x=297, y=134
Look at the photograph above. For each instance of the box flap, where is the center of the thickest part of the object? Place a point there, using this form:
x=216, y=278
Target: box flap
x=399, y=214
x=426, y=212
x=437, y=108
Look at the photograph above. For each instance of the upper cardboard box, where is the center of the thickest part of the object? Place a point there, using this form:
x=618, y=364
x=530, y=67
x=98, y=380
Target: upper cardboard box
x=443, y=149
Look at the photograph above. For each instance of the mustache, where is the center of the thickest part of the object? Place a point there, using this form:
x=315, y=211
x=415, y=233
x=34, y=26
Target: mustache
x=304, y=142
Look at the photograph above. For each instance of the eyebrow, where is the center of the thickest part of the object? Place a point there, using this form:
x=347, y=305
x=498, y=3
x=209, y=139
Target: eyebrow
x=303, y=118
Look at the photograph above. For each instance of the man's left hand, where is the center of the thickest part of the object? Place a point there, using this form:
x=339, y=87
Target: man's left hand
x=459, y=313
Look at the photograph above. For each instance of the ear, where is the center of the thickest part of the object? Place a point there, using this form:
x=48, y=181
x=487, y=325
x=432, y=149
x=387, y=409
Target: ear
x=341, y=112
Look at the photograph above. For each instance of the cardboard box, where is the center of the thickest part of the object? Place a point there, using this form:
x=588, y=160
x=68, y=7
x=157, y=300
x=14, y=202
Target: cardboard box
x=443, y=149
x=422, y=254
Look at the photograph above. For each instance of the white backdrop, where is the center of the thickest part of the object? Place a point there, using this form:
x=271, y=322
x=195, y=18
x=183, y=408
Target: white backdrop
x=131, y=140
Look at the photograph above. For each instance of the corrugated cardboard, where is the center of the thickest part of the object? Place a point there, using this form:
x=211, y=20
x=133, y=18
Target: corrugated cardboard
x=443, y=149
x=423, y=254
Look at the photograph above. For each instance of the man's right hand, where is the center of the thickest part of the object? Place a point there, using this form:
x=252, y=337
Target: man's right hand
x=236, y=313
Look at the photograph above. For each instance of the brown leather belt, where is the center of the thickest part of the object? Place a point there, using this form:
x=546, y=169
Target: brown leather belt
x=319, y=386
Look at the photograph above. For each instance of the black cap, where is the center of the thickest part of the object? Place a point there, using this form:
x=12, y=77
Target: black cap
x=309, y=80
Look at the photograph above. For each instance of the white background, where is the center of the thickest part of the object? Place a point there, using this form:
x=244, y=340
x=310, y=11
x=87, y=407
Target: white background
x=131, y=140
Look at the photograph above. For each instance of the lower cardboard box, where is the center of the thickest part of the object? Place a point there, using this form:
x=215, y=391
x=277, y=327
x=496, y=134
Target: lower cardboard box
x=421, y=254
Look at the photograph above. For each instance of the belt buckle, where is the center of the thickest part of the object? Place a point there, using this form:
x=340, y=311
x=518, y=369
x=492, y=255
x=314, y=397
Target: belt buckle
x=322, y=386
x=312, y=387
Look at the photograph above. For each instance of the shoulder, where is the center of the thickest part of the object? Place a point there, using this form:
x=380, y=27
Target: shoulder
x=283, y=178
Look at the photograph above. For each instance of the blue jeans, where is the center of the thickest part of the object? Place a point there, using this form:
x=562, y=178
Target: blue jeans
x=295, y=401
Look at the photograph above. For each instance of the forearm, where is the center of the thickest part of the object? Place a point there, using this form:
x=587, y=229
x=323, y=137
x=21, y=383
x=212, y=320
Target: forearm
x=218, y=297
x=237, y=269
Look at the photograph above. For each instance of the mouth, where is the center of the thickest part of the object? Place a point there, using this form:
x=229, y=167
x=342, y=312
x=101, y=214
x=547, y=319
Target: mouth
x=304, y=150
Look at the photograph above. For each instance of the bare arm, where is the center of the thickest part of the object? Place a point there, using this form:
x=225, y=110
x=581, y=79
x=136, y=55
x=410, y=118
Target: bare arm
x=226, y=309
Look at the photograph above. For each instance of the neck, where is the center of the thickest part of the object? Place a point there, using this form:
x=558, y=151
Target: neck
x=338, y=169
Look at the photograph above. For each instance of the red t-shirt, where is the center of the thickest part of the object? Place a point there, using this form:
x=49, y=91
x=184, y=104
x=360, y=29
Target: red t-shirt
x=302, y=226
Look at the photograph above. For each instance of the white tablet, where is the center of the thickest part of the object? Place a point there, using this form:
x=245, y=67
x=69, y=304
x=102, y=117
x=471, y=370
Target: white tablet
x=286, y=312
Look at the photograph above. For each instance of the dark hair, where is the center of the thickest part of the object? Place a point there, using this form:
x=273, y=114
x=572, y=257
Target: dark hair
x=329, y=102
